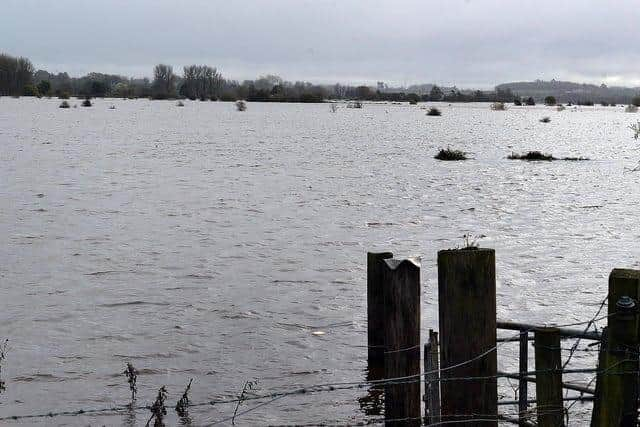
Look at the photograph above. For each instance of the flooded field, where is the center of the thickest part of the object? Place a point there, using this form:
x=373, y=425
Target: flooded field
x=201, y=242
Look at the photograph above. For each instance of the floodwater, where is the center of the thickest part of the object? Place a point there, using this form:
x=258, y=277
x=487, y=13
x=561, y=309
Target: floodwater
x=205, y=243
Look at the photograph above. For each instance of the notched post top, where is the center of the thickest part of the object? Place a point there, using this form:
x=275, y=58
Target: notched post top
x=395, y=263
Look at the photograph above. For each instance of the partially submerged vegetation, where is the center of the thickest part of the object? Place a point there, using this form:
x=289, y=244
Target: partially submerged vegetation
x=636, y=130
x=433, y=111
x=86, y=102
x=449, y=154
x=545, y=119
x=539, y=156
x=65, y=104
x=498, y=106
x=3, y=355
x=241, y=105
x=631, y=109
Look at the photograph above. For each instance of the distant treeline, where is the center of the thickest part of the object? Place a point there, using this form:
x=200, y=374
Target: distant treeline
x=576, y=93
x=19, y=78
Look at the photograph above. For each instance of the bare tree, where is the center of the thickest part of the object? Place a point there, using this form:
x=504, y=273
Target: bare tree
x=164, y=81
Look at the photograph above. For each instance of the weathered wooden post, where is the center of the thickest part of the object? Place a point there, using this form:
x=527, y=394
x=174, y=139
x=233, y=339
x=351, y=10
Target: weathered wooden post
x=467, y=300
x=522, y=383
x=548, y=377
x=431, y=380
x=617, y=380
x=375, y=312
x=402, y=341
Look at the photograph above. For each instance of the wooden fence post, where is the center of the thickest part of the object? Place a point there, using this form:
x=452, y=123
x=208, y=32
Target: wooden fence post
x=432, y=380
x=375, y=312
x=523, y=383
x=548, y=377
x=467, y=301
x=617, y=380
x=402, y=342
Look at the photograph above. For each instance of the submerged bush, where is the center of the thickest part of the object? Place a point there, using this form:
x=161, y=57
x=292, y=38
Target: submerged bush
x=539, y=156
x=631, y=109
x=545, y=119
x=550, y=100
x=531, y=155
x=241, y=105
x=65, y=104
x=498, y=106
x=86, y=102
x=517, y=102
x=433, y=111
x=560, y=107
x=180, y=104
x=450, y=154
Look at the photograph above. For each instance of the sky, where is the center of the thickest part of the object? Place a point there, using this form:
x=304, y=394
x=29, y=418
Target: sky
x=468, y=43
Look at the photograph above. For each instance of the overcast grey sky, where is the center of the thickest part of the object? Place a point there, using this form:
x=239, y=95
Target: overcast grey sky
x=471, y=43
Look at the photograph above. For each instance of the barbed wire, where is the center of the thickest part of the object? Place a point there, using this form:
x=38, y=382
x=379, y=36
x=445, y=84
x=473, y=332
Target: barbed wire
x=317, y=387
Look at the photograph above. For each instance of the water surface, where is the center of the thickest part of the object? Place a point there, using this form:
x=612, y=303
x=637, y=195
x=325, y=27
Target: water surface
x=204, y=243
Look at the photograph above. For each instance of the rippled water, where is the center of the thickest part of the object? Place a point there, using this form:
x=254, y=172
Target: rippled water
x=204, y=243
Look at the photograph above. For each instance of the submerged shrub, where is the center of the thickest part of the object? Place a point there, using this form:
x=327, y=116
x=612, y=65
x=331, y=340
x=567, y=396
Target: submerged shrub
x=631, y=109
x=180, y=104
x=545, y=119
x=433, y=111
x=65, y=104
x=517, y=102
x=550, y=100
x=539, y=156
x=498, y=106
x=450, y=154
x=531, y=155
x=241, y=105
x=86, y=102
x=560, y=107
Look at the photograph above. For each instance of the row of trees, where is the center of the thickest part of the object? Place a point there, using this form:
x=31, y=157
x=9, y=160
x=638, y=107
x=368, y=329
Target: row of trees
x=17, y=77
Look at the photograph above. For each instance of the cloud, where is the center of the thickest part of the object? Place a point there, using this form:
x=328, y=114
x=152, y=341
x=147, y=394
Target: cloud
x=468, y=43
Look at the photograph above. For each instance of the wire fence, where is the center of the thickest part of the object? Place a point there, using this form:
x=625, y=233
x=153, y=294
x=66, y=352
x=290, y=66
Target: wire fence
x=269, y=398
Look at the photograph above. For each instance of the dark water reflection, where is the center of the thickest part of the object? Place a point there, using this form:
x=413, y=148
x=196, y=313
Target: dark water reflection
x=202, y=243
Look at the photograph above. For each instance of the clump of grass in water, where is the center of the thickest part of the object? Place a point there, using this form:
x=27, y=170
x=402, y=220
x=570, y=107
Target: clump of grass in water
x=241, y=105
x=183, y=403
x=450, y=154
x=180, y=104
x=158, y=410
x=545, y=119
x=636, y=130
x=86, y=102
x=65, y=104
x=433, y=111
x=3, y=355
x=132, y=377
x=538, y=156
